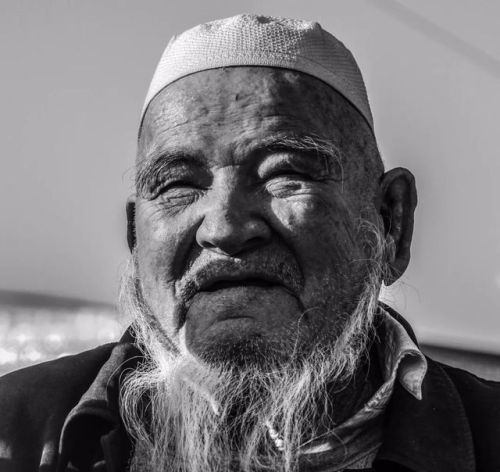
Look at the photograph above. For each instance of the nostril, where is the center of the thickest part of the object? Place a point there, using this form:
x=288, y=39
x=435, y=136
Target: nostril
x=232, y=230
x=206, y=244
x=256, y=241
x=232, y=239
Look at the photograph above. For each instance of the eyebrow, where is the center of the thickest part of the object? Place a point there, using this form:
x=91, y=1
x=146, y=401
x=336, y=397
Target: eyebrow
x=154, y=162
x=301, y=143
x=325, y=150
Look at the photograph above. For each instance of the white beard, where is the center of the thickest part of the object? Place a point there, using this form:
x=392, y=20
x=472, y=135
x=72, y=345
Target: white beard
x=189, y=416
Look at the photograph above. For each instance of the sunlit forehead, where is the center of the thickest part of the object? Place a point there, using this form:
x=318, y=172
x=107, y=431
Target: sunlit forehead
x=232, y=105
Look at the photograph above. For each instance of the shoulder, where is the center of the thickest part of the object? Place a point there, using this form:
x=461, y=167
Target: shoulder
x=481, y=397
x=481, y=401
x=35, y=401
x=57, y=377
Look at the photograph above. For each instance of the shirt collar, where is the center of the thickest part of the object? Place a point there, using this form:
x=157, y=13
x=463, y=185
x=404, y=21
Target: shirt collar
x=400, y=356
x=400, y=359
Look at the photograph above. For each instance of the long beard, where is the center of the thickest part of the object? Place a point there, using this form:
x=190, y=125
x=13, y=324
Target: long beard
x=189, y=416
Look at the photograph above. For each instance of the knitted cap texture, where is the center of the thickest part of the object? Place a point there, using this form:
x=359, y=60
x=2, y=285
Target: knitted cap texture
x=255, y=40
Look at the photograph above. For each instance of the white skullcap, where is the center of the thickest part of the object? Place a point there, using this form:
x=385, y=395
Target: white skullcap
x=255, y=40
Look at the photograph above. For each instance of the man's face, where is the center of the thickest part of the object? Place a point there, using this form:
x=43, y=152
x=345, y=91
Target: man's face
x=251, y=192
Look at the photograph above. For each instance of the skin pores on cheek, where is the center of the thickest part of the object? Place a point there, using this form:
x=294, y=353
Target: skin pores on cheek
x=326, y=238
x=159, y=250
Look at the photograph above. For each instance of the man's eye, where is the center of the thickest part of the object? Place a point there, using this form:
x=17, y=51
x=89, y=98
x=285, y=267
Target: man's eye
x=287, y=173
x=175, y=190
x=177, y=185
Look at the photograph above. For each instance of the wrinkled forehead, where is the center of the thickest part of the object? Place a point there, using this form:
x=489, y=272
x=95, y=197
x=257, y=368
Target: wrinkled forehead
x=224, y=99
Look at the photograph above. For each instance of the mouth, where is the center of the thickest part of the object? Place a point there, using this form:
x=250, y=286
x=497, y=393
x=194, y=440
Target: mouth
x=238, y=283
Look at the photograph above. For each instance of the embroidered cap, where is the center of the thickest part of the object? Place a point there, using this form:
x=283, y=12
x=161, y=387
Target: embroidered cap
x=256, y=40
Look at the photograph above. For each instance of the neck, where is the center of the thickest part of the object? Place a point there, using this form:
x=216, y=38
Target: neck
x=359, y=390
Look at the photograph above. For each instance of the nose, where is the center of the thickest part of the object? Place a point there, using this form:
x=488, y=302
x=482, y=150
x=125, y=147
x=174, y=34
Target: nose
x=232, y=223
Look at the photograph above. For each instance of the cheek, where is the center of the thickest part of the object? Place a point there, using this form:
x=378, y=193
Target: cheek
x=319, y=230
x=160, y=243
x=161, y=248
x=324, y=238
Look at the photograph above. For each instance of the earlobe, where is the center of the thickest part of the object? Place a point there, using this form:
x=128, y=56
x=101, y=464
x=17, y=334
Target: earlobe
x=398, y=200
x=130, y=209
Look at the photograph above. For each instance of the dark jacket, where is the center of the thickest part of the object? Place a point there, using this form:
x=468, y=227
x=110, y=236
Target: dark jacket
x=63, y=416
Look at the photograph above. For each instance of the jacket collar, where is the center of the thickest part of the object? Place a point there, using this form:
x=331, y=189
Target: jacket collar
x=93, y=431
x=428, y=435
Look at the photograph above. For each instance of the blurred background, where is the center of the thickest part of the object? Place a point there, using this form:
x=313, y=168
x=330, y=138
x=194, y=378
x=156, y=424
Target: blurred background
x=74, y=75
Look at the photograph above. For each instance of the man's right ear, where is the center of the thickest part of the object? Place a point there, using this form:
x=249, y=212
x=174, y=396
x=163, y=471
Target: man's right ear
x=130, y=208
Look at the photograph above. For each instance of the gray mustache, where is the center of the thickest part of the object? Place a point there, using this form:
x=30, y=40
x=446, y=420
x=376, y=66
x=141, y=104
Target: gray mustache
x=274, y=267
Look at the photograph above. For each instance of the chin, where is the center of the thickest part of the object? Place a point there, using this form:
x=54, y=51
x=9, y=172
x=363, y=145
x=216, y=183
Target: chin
x=251, y=351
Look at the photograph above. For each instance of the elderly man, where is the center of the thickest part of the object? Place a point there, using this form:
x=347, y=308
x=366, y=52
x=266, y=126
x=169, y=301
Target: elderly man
x=262, y=229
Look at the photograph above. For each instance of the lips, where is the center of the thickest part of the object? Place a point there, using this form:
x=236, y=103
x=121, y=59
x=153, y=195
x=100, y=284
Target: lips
x=210, y=274
x=213, y=277
x=212, y=286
